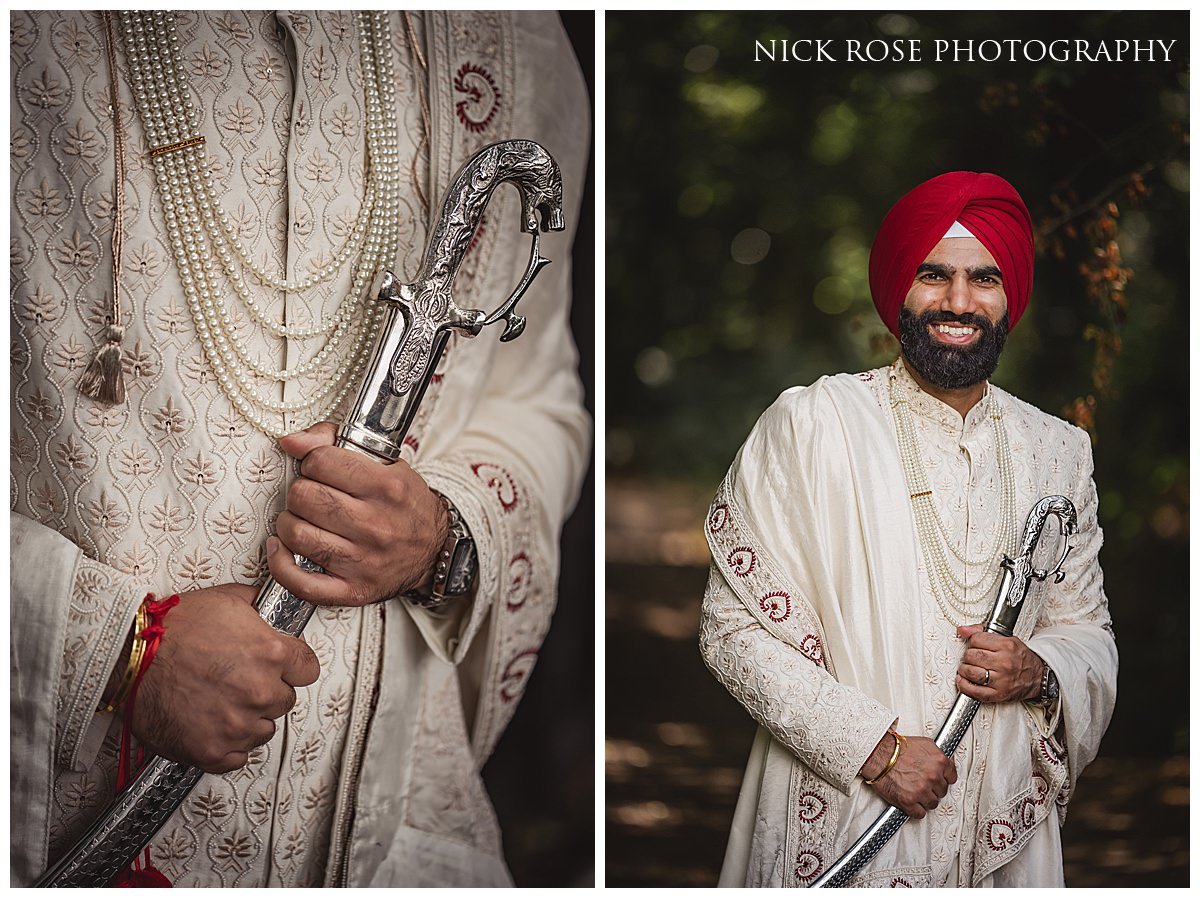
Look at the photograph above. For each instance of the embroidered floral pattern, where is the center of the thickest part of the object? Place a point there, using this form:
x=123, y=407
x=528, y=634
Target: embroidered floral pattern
x=777, y=605
x=482, y=96
x=742, y=561
x=519, y=571
x=808, y=866
x=499, y=480
x=811, y=807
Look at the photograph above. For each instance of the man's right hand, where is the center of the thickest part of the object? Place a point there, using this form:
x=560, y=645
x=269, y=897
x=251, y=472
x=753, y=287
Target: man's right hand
x=220, y=679
x=919, y=780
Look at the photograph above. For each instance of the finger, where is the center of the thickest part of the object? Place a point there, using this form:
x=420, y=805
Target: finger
x=300, y=669
x=318, y=588
x=299, y=444
x=983, y=659
x=326, y=548
x=345, y=470
x=976, y=674
x=952, y=773
x=916, y=811
x=262, y=733
x=286, y=701
x=993, y=642
x=325, y=506
x=974, y=690
x=968, y=632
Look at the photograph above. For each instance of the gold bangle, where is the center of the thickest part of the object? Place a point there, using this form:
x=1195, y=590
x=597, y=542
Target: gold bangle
x=892, y=763
x=137, y=651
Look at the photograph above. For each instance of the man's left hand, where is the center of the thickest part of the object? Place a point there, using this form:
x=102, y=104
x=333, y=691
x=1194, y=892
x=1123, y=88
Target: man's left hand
x=375, y=529
x=1012, y=671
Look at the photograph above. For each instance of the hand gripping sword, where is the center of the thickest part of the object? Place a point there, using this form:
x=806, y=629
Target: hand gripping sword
x=420, y=317
x=1018, y=573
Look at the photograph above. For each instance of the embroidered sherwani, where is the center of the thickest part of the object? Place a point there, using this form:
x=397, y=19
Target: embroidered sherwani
x=821, y=619
x=373, y=778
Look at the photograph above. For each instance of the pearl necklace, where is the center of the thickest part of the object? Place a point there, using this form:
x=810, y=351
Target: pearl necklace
x=948, y=588
x=200, y=230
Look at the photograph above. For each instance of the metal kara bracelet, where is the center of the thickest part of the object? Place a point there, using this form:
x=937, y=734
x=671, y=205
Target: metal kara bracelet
x=417, y=324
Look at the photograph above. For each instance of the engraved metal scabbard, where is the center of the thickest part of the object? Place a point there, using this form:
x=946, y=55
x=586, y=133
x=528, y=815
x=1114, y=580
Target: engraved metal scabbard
x=420, y=318
x=1019, y=572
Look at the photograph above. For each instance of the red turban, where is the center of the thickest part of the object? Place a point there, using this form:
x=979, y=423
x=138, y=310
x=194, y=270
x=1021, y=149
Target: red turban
x=986, y=205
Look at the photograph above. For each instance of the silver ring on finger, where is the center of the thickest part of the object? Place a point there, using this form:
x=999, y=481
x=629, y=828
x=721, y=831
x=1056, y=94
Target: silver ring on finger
x=987, y=677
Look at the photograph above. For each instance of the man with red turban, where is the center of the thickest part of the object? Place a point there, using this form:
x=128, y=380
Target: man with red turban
x=856, y=547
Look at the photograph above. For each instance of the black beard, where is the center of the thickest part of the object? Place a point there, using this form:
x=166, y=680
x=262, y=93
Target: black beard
x=951, y=367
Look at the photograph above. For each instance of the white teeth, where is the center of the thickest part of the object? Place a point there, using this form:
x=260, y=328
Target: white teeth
x=954, y=331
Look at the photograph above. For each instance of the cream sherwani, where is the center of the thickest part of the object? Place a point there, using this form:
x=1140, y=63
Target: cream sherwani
x=373, y=778
x=819, y=617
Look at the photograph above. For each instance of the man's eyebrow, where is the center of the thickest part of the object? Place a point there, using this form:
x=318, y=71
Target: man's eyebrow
x=948, y=271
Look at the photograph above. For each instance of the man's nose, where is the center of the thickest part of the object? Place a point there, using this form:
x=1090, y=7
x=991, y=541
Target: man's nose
x=958, y=296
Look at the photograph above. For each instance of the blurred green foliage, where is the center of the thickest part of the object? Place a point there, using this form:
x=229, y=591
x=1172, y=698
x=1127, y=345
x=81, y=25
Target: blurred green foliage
x=742, y=199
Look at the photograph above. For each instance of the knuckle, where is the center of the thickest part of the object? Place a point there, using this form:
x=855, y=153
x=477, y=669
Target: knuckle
x=274, y=652
x=295, y=491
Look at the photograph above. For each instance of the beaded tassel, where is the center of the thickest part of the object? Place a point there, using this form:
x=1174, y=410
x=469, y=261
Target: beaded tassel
x=103, y=378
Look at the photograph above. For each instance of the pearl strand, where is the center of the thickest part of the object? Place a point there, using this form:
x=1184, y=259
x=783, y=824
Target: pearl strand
x=931, y=532
x=161, y=93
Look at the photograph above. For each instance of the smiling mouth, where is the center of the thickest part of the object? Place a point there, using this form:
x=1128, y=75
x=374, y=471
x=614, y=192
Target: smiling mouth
x=954, y=334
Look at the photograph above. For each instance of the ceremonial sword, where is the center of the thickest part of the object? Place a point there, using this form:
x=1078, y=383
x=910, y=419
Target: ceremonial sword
x=1018, y=573
x=420, y=317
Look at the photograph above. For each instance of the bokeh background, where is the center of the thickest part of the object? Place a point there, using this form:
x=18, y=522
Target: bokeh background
x=741, y=202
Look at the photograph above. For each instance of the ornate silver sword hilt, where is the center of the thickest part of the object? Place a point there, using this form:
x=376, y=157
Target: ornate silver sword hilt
x=409, y=344
x=1010, y=599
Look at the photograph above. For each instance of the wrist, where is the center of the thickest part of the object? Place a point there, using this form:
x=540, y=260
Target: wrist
x=115, y=677
x=452, y=571
x=900, y=742
x=872, y=768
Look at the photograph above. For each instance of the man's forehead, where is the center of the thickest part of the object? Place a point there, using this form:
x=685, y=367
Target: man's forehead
x=960, y=252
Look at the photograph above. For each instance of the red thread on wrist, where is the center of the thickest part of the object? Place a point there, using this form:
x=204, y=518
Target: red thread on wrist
x=137, y=875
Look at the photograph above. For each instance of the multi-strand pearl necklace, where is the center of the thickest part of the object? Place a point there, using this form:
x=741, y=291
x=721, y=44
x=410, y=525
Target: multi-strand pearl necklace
x=948, y=588
x=201, y=232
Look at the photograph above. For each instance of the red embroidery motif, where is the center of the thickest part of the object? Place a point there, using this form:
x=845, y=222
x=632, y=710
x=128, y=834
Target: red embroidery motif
x=501, y=481
x=1064, y=795
x=901, y=883
x=777, y=605
x=1028, y=812
x=812, y=807
x=1000, y=834
x=483, y=97
x=808, y=865
x=412, y=443
x=742, y=561
x=519, y=570
x=868, y=375
x=811, y=646
x=1041, y=789
x=717, y=519
x=516, y=672
x=1050, y=752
